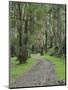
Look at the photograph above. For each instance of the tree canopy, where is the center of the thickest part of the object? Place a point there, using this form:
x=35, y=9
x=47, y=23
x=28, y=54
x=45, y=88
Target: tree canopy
x=36, y=28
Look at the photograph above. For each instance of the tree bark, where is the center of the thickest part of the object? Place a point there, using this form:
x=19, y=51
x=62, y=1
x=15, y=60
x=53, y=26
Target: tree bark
x=46, y=39
x=59, y=32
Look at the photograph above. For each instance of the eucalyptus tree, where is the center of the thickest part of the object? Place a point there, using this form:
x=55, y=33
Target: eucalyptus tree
x=41, y=25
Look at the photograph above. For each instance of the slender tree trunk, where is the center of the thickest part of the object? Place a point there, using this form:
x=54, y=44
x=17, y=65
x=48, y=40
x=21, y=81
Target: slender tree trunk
x=46, y=43
x=20, y=35
x=50, y=34
x=25, y=42
x=59, y=32
x=54, y=31
x=46, y=39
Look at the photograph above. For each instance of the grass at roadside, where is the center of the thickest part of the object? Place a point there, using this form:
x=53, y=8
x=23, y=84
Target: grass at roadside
x=59, y=66
x=18, y=69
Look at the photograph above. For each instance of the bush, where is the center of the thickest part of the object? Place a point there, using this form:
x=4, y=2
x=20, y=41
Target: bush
x=51, y=51
x=41, y=52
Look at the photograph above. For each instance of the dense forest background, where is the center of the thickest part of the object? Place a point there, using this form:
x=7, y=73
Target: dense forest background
x=36, y=28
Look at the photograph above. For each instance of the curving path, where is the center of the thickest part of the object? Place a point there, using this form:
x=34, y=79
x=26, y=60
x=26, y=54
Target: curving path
x=42, y=74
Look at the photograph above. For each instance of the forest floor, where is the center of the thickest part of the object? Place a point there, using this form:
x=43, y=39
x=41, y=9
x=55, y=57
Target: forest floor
x=41, y=74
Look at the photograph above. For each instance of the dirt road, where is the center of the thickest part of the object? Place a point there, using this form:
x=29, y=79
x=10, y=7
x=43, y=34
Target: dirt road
x=42, y=74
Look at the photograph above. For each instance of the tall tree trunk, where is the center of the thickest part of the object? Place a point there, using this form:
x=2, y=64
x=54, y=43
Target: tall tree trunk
x=46, y=43
x=23, y=52
x=25, y=42
x=46, y=39
x=59, y=32
x=50, y=34
x=20, y=35
x=54, y=31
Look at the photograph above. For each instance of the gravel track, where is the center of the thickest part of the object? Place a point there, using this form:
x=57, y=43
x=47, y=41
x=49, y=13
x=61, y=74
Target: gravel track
x=42, y=74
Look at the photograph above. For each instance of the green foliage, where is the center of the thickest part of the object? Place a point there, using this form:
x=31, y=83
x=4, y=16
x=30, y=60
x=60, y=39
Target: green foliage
x=37, y=24
x=41, y=51
x=59, y=66
x=51, y=51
